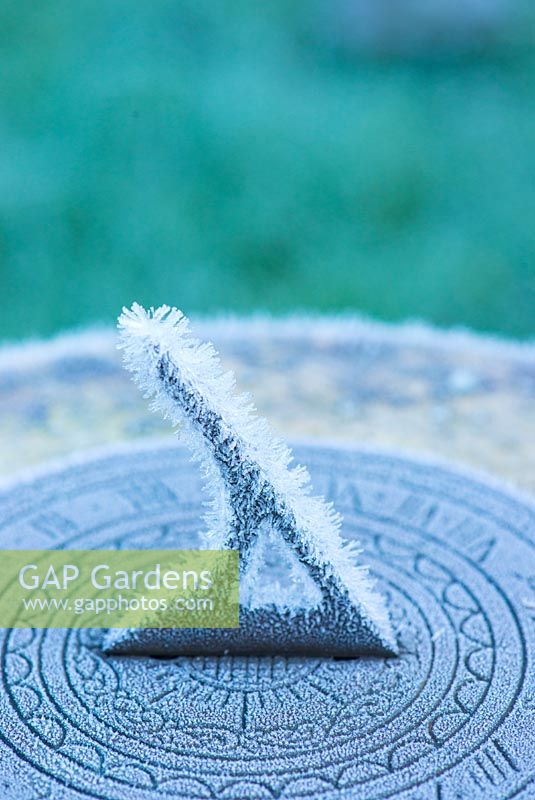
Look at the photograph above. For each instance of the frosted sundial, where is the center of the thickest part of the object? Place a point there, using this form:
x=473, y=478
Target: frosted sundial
x=450, y=716
x=315, y=599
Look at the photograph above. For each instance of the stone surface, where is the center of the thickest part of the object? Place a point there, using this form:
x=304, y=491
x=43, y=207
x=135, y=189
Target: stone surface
x=452, y=717
x=458, y=396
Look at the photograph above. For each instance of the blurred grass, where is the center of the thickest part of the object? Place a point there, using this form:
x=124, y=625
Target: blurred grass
x=225, y=155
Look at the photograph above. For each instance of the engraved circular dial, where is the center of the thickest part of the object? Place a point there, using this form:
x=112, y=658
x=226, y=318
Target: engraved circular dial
x=452, y=717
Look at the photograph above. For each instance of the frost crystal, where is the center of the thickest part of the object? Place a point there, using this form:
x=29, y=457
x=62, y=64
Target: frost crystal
x=317, y=599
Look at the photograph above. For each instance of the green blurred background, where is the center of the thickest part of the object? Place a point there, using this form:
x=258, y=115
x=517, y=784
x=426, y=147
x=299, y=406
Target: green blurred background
x=263, y=156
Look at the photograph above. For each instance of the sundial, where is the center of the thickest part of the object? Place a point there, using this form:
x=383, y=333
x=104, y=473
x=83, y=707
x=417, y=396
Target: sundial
x=451, y=716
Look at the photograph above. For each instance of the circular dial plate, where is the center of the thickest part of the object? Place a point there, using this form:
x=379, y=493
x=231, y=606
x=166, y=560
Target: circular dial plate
x=452, y=718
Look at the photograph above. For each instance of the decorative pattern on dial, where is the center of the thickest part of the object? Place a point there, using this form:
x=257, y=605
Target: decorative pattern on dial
x=452, y=718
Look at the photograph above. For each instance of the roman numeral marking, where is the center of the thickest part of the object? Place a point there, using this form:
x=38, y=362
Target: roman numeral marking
x=345, y=494
x=54, y=525
x=482, y=549
x=149, y=495
x=418, y=509
x=479, y=544
x=493, y=765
